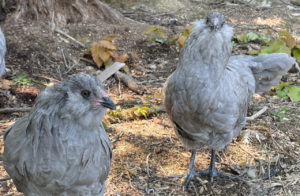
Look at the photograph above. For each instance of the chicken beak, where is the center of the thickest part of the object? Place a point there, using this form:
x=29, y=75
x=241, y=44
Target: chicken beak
x=215, y=24
x=108, y=103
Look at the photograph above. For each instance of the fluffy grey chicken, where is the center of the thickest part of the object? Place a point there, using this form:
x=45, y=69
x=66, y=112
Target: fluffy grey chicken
x=61, y=147
x=2, y=53
x=207, y=96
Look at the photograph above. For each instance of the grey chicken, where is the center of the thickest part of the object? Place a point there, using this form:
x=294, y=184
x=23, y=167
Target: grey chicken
x=61, y=147
x=2, y=53
x=207, y=96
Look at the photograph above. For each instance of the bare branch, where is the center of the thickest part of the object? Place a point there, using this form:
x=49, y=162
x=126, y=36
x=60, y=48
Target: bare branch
x=12, y=110
x=70, y=37
x=257, y=114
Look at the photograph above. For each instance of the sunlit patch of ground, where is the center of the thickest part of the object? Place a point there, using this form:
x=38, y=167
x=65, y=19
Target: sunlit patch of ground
x=148, y=152
x=268, y=21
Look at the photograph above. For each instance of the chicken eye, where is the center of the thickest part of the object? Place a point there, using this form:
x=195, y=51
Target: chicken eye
x=85, y=93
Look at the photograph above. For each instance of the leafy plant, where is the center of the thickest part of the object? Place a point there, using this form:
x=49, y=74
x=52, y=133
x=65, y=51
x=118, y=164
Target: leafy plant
x=281, y=112
x=233, y=43
x=294, y=93
x=158, y=34
x=104, y=52
x=275, y=46
x=251, y=37
x=284, y=43
x=141, y=111
x=183, y=35
x=288, y=90
x=23, y=79
x=296, y=52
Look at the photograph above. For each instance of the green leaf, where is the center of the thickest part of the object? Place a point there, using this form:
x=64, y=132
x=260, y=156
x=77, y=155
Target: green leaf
x=281, y=112
x=152, y=29
x=294, y=93
x=23, y=79
x=296, y=52
x=281, y=90
x=287, y=38
x=252, y=36
x=233, y=43
x=287, y=27
x=242, y=38
x=275, y=46
x=264, y=39
x=253, y=52
x=286, y=83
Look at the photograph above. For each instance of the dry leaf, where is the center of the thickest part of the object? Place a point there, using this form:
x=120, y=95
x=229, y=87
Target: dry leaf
x=122, y=58
x=103, y=54
x=134, y=55
x=107, y=44
x=5, y=84
x=108, y=62
x=181, y=40
x=95, y=54
x=114, y=54
x=109, y=38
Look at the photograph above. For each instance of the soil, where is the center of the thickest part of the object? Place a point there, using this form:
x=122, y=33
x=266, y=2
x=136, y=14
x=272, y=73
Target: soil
x=146, y=151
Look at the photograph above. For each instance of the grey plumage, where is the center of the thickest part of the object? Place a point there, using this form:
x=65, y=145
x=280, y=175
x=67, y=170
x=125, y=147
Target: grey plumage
x=2, y=53
x=207, y=96
x=61, y=147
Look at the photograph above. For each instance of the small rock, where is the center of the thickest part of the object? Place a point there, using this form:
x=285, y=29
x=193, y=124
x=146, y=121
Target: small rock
x=251, y=173
x=255, y=46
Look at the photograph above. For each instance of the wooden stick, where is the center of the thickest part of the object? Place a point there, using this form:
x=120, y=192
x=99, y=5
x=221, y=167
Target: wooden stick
x=70, y=37
x=148, y=166
x=5, y=179
x=129, y=82
x=257, y=114
x=124, y=78
x=12, y=110
x=110, y=70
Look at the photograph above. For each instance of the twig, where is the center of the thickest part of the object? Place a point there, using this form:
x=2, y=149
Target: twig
x=196, y=192
x=70, y=69
x=49, y=78
x=148, y=167
x=65, y=60
x=117, y=137
x=87, y=61
x=59, y=72
x=257, y=114
x=290, y=4
x=12, y=110
x=129, y=82
x=297, y=67
x=257, y=159
x=70, y=37
x=5, y=179
x=126, y=79
x=119, y=87
x=272, y=172
x=110, y=70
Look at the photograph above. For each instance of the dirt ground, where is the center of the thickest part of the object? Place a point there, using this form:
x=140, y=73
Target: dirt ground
x=146, y=151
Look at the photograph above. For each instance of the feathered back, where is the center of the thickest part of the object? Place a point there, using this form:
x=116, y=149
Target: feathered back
x=2, y=53
x=60, y=147
x=269, y=68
